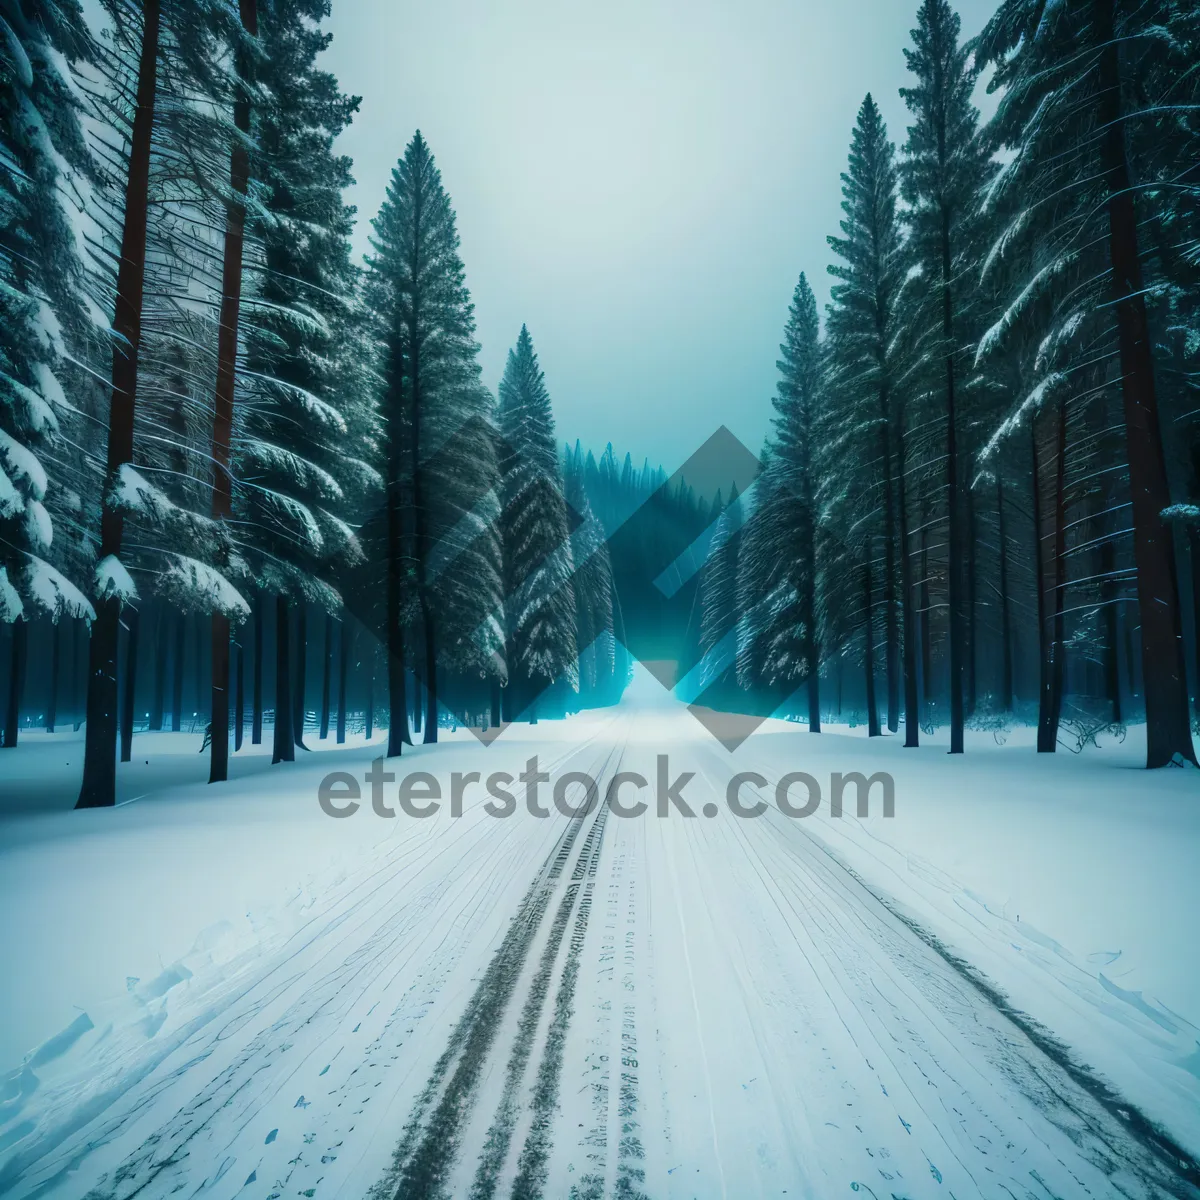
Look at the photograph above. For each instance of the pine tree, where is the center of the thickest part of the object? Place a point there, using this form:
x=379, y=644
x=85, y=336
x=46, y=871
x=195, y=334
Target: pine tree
x=593, y=586
x=45, y=171
x=794, y=460
x=943, y=170
x=1072, y=125
x=539, y=593
x=440, y=455
x=303, y=446
x=223, y=402
x=862, y=329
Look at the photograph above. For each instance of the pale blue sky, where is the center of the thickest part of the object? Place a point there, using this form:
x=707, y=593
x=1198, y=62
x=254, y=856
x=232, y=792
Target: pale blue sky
x=640, y=181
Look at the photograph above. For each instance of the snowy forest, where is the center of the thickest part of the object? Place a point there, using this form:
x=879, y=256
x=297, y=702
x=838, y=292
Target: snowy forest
x=252, y=487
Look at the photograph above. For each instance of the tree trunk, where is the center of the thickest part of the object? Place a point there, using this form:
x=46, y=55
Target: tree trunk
x=227, y=345
x=99, y=786
x=345, y=645
x=421, y=547
x=128, y=706
x=431, y=687
x=256, y=721
x=55, y=669
x=1164, y=679
x=1047, y=739
x=954, y=554
x=326, y=677
x=161, y=648
x=369, y=722
x=16, y=681
x=1194, y=555
x=972, y=609
x=873, y=729
x=912, y=720
x=812, y=642
x=177, y=681
x=418, y=707
x=495, y=702
x=1006, y=636
x=1112, y=636
x=300, y=706
x=284, y=747
x=891, y=650
x=198, y=697
x=398, y=733
x=926, y=639
x=1060, y=576
x=218, y=763
x=78, y=686
x=239, y=696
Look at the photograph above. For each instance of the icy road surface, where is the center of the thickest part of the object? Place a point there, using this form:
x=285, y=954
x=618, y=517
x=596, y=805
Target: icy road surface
x=604, y=1006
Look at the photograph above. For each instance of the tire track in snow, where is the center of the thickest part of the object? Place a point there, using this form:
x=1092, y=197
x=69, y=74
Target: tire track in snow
x=532, y=1164
x=432, y=1135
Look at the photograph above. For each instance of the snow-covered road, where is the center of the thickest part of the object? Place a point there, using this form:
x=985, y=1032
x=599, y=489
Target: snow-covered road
x=587, y=1007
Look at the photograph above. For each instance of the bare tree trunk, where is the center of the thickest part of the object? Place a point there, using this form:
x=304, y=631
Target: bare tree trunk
x=78, y=686
x=284, y=749
x=495, y=699
x=239, y=696
x=18, y=642
x=370, y=659
x=99, y=786
x=256, y=720
x=1006, y=671
x=55, y=669
x=161, y=648
x=926, y=632
x=345, y=645
x=128, y=707
x=326, y=677
x=177, y=681
x=873, y=729
x=1112, y=636
x=972, y=609
x=300, y=705
x=1164, y=678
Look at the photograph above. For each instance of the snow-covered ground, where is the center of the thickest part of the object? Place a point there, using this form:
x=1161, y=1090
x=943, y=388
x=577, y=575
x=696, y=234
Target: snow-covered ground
x=225, y=991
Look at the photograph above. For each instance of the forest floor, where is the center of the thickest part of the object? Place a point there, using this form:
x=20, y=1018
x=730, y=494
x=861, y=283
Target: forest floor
x=229, y=993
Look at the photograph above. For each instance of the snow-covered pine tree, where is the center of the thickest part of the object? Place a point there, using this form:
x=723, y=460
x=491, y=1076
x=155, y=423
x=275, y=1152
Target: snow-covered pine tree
x=147, y=35
x=790, y=520
x=1076, y=126
x=943, y=170
x=439, y=440
x=861, y=330
x=727, y=654
x=45, y=169
x=538, y=588
x=303, y=434
x=593, y=585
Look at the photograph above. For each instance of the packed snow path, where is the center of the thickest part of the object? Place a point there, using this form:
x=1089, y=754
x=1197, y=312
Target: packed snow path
x=601, y=1006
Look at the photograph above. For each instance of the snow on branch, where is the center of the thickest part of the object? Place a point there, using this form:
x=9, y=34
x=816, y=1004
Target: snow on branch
x=53, y=592
x=22, y=463
x=113, y=581
x=201, y=588
x=995, y=336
